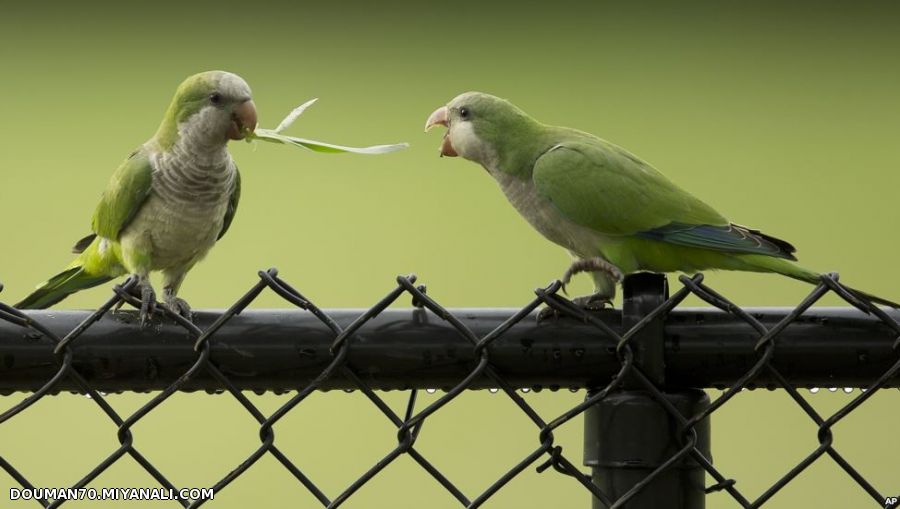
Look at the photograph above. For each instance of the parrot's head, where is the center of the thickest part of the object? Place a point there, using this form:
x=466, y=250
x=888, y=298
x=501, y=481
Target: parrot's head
x=209, y=108
x=477, y=125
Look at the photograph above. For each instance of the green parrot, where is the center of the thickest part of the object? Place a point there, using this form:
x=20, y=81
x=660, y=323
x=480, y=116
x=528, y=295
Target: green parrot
x=168, y=202
x=613, y=212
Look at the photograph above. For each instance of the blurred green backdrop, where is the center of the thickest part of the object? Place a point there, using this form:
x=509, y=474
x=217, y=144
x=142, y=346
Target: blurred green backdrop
x=783, y=117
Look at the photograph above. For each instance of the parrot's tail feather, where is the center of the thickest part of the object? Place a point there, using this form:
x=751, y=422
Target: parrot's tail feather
x=813, y=278
x=61, y=286
x=872, y=298
x=794, y=271
x=84, y=243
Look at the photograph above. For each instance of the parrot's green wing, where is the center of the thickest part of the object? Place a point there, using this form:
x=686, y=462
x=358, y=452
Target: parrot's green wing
x=232, y=203
x=127, y=190
x=603, y=187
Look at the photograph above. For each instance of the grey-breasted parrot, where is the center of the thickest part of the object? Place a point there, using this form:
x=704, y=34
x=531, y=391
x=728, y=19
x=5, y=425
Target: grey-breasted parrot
x=169, y=201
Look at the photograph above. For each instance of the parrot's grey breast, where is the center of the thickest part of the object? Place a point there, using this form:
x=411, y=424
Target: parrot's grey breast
x=185, y=211
x=545, y=217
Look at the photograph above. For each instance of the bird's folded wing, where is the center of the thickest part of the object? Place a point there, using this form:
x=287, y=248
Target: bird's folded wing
x=232, y=203
x=601, y=186
x=126, y=192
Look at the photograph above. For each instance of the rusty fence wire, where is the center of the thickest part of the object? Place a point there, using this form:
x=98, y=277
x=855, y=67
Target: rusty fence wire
x=636, y=368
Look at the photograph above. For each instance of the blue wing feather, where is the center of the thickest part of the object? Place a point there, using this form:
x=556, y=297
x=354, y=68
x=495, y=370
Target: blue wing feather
x=730, y=238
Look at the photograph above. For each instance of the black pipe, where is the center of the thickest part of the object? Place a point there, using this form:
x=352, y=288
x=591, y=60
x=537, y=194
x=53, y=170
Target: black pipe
x=405, y=348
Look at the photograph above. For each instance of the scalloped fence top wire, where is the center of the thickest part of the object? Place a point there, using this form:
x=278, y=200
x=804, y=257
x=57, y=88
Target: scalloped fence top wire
x=617, y=342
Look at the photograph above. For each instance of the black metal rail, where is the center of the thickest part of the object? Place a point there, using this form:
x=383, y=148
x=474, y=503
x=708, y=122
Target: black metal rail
x=413, y=349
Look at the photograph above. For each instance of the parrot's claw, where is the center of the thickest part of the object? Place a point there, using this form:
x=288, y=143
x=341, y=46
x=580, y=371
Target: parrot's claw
x=593, y=302
x=180, y=307
x=547, y=313
x=148, y=304
x=143, y=292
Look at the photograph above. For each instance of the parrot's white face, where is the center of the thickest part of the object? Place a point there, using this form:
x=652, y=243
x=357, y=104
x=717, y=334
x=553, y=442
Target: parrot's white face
x=228, y=113
x=474, y=122
x=469, y=146
x=209, y=109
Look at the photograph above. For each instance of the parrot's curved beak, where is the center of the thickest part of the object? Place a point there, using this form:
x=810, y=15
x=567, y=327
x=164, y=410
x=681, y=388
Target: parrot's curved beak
x=440, y=117
x=243, y=120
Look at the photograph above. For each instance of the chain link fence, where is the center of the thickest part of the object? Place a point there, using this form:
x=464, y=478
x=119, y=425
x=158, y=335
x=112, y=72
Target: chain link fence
x=646, y=420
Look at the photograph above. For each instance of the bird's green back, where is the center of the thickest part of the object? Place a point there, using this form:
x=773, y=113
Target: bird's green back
x=603, y=187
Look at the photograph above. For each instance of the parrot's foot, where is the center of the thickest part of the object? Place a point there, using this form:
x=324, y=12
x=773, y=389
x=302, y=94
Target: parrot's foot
x=592, y=302
x=148, y=303
x=591, y=265
x=143, y=292
x=179, y=307
x=547, y=313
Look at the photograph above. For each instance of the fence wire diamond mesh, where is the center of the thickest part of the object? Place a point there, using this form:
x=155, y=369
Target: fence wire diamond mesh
x=546, y=456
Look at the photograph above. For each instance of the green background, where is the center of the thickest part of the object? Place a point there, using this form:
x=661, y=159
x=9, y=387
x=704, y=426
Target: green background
x=783, y=117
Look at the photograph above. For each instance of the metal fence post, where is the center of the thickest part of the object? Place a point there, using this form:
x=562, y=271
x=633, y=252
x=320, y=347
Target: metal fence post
x=628, y=434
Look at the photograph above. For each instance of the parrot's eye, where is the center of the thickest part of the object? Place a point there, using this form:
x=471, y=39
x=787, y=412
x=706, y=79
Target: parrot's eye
x=464, y=113
x=215, y=98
